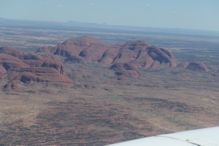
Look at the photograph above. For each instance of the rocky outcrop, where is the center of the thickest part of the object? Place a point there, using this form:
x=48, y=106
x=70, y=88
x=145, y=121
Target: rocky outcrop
x=46, y=65
x=18, y=66
x=139, y=54
x=85, y=49
x=143, y=55
x=197, y=66
x=194, y=66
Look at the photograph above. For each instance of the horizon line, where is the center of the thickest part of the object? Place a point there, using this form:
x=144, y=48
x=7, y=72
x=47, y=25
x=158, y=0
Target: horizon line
x=114, y=25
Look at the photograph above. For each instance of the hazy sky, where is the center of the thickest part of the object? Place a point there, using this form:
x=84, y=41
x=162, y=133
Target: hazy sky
x=193, y=14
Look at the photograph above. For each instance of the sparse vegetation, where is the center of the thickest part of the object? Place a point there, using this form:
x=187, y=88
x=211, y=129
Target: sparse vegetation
x=100, y=109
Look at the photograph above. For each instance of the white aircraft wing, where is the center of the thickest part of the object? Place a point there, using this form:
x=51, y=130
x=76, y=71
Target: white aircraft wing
x=199, y=137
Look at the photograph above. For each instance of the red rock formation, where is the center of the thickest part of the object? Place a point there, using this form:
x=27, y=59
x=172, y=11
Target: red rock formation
x=137, y=53
x=143, y=55
x=45, y=65
x=18, y=66
x=79, y=49
x=91, y=49
x=110, y=54
x=197, y=66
